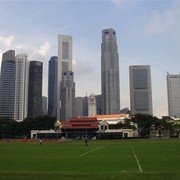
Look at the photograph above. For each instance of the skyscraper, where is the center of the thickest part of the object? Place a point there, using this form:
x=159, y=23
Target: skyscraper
x=52, y=86
x=110, y=72
x=173, y=90
x=140, y=89
x=44, y=105
x=79, y=106
x=7, y=83
x=99, y=104
x=66, y=85
x=35, y=89
x=21, y=87
x=92, y=109
x=85, y=106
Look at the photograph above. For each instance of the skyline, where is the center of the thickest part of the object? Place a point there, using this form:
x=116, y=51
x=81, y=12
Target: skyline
x=148, y=33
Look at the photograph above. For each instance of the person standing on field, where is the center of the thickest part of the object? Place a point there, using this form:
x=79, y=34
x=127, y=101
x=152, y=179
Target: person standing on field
x=40, y=142
x=86, y=141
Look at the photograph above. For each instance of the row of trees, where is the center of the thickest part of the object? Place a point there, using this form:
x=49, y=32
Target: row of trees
x=12, y=129
x=145, y=123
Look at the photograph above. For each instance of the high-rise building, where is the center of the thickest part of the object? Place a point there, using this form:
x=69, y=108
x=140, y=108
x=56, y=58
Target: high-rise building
x=79, y=106
x=110, y=72
x=35, y=89
x=99, y=104
x=7, y=84
x=173, y=90
x=21, y=87
x=92, y=109
x=44, y=105
x=52, y=86
x=85, y=106
x=66, y=85
x=140, y=89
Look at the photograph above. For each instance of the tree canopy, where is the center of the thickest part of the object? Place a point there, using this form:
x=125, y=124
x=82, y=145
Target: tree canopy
x=22, y=129
x=149, y=122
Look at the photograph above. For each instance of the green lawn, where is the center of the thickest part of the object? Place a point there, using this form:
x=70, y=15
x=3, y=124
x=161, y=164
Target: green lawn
x=123, y=159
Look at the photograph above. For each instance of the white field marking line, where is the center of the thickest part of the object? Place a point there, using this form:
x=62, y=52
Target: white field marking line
x=93, y=150
x=139, y=166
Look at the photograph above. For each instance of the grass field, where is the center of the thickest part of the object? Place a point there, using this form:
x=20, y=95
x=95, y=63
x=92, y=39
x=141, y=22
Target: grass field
x=122, y=159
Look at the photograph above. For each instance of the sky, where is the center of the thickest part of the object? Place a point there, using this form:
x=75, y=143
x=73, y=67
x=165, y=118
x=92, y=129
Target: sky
x=148, y=33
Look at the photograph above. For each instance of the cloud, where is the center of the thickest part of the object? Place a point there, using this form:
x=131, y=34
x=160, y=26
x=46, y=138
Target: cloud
x=1, y=52
x=82, y=68
x=117, y=2
x=163, y=21
x=6, y=40
x=36, y=51
x=20, y=46
x=44, y=49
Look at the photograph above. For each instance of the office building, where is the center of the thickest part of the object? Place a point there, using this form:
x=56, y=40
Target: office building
x=35, y=89
x=85, y=106
x=110, y=72
x=140, y=89
x=52, y=86
x=7, y=84
x=99, y=104
x=66, y=85
x=44, y=105
x=173, y=91
x=79, y=106
x=92, y=109
x=21, y=87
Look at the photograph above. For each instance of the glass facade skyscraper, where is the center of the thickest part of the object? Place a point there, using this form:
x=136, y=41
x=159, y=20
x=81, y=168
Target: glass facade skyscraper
x=7, y=84
x=52, y=86
x=35, y=89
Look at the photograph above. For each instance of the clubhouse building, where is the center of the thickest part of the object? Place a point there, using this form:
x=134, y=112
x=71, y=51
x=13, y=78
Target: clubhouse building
x=112, y=126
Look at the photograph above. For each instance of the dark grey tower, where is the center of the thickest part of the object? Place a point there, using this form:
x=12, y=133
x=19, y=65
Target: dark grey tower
x=99, y=103
x=140, y=89
x=52, y=86
x=35, y=89
x=7, y=84
x=44, y=105
x=110, y=73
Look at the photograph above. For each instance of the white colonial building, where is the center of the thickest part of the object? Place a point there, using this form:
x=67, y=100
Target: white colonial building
x=116, y=123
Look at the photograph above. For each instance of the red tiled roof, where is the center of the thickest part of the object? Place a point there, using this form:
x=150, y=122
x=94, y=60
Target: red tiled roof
x=80, y=123
x=79, y=127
